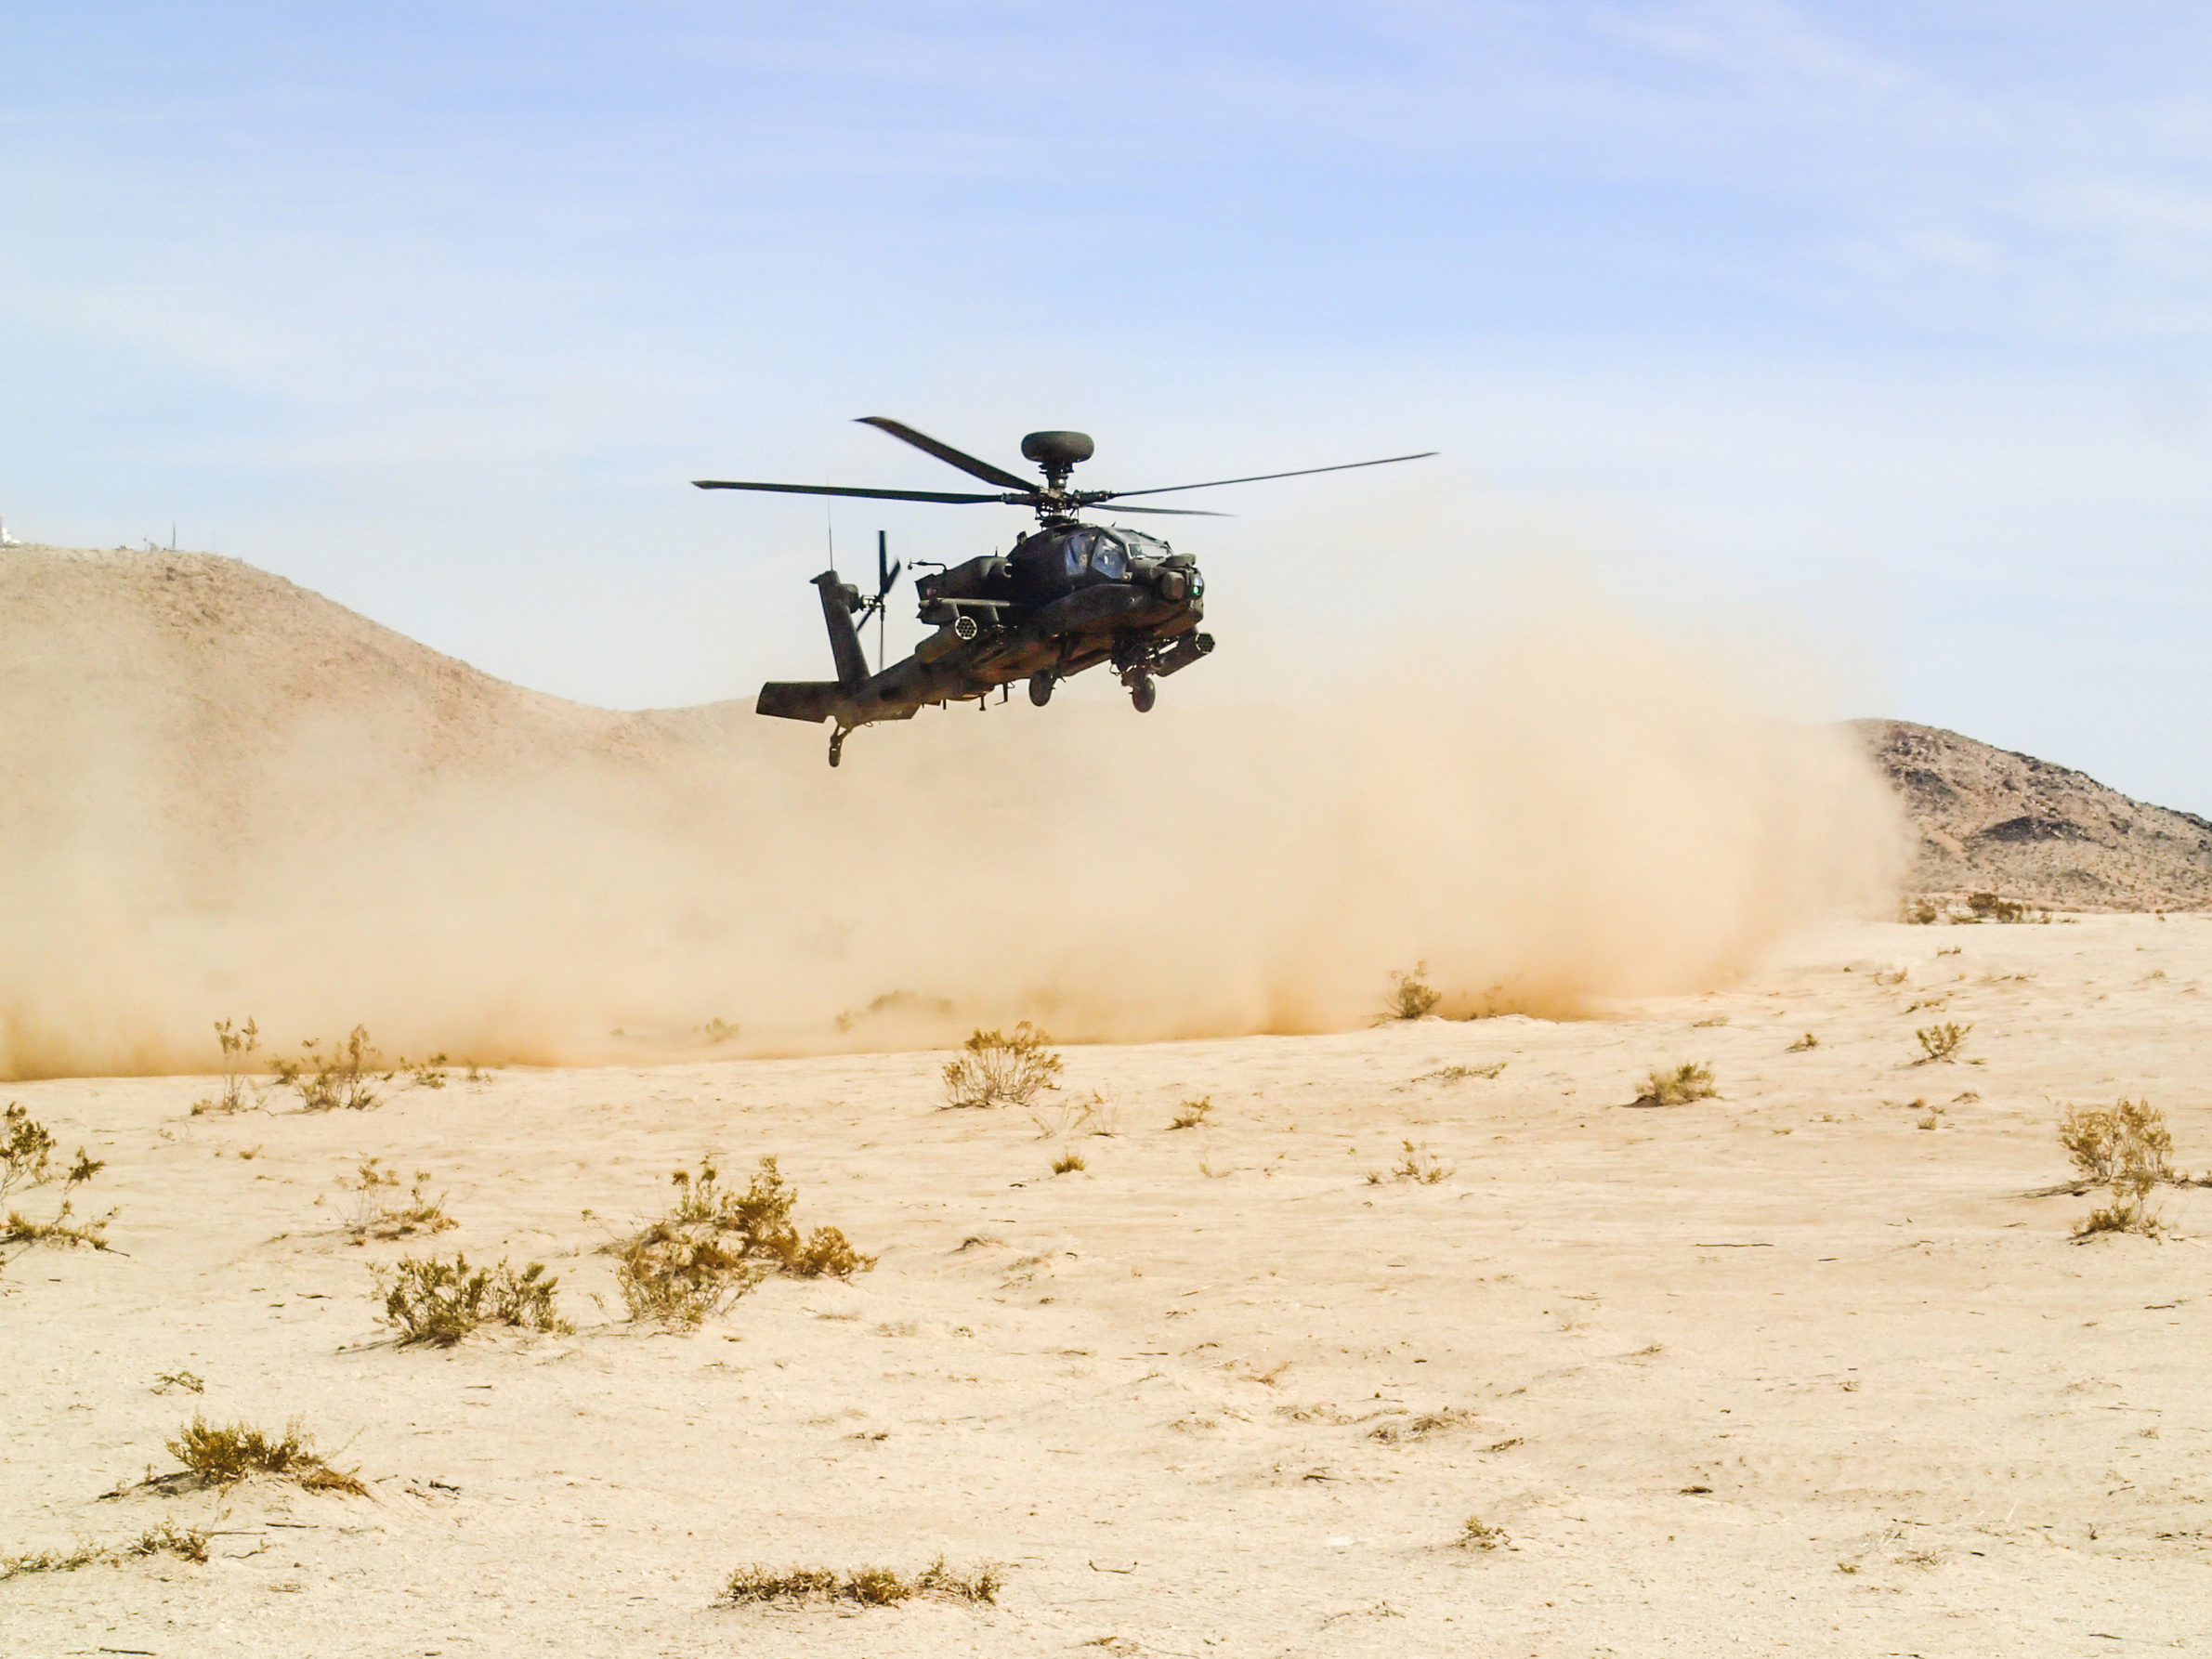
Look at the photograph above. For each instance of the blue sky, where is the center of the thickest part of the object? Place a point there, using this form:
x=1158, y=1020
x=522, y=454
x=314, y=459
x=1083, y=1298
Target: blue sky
x=1887, y=328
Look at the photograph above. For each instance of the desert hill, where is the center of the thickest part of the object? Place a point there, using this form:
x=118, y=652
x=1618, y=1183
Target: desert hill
x=1989, y=820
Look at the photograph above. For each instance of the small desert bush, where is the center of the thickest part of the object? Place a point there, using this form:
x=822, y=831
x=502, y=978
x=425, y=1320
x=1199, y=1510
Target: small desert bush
x=166, y=1539
x=1069, y=1164
x=716, y=1245
x=27, y=1161
x=2103, y=1143
x=1416, y=1164
x=870, y=1587
x=999, y=1069
x=1989, y=907
x=239, y=1094
x=1095, y=1115
x=347, y=1080
x=439, y=1303
x=2126, y=1148
x=1192, y=1114
x=1920, y=912
x=49, y=1560
x=186, y=1544
x=1459, y=1074
x=380, y=1210
x=1477, y=1534
x=1940, y=1043
x=1411, y=997
x=1399, y=1431
x=1677, y=1088
x=225, y=1456
x=1804, y=1044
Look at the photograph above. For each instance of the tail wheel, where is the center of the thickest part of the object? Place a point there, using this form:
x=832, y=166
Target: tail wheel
x=1144, y=693
x=836, y=747
x=1040, y=689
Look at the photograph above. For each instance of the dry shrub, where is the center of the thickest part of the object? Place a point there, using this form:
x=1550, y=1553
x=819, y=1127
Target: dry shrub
x=1416, y=1164
x=1459, y=1074
x=2103, y=1143
x=1940, y=1043
x=1411, y=997
x=1095, y=1115
x=439, y=1303
x=1192, y=1114
x=2126, y=1148
x=1920, y=912
x=381, y=1210
x=1804, y=1044
x=186, y=1544
x=1989, y=907
x=1069, y=1164
x=223, y=1457
x=239, y=1094
x=1477, y=1534
x=870, y=1587
x=1398, y=1430
x=49, y=1560
x=166, y=1539
x=1677, y=1088
x=716, y=1245
x=27, y=1160
x=347, y=1080
x=998, y=1069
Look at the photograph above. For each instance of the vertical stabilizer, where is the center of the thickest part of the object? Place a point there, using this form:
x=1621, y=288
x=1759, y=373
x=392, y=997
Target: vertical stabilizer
x=839, y=601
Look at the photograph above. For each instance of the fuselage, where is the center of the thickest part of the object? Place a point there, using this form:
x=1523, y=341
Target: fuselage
x=1064, y=599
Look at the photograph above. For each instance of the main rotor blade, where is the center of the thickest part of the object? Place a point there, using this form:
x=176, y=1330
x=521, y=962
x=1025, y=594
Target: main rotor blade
x=946, y=453
x=880, y=495
x=1257, y=478
x=1178, y=512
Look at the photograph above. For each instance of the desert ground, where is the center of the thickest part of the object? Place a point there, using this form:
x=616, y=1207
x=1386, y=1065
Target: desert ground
x=1794, y=1370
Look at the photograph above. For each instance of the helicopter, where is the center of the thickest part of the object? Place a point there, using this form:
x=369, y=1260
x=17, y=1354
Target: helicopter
x=1067, y=597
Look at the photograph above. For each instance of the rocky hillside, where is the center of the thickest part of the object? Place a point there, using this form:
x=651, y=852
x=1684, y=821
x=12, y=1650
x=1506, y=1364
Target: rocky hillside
x=1990, y=820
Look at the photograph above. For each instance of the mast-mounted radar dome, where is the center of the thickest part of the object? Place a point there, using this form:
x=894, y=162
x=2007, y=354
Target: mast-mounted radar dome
x=1056, y=451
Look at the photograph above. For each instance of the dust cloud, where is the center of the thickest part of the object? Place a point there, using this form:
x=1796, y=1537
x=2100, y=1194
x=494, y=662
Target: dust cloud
x=222, y=796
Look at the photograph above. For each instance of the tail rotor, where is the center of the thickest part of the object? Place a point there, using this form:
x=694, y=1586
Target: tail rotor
x=886, y=572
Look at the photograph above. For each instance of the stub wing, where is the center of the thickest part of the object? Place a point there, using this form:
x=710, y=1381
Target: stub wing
x=813, y=700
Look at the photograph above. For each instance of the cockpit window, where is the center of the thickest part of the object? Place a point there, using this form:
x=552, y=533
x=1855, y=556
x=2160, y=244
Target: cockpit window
x=1096, y=551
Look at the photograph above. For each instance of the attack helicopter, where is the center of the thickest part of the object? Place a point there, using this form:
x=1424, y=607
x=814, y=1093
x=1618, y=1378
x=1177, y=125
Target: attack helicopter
x=1067, y=596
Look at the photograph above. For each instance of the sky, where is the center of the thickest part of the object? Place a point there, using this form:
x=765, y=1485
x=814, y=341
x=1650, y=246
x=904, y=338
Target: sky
x=1879, y=333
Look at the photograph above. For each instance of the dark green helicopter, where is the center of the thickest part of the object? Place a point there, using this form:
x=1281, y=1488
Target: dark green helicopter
x=1069, y=596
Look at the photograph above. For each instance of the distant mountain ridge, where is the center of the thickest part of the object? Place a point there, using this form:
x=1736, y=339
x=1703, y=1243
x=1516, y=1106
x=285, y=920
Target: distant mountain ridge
x=1992, y=820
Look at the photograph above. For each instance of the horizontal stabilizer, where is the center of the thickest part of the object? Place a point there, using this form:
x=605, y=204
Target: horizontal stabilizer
x=799, y=699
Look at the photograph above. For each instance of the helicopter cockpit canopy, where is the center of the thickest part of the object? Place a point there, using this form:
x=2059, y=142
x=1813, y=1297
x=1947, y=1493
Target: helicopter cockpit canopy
x=1107, y=555
x=1098, y=552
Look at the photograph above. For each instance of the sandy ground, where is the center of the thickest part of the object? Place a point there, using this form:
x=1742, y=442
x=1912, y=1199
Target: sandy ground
x=1778, y=1373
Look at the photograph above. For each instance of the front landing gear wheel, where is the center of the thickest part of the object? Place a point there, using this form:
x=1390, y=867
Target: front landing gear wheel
x=1040, y=689
x=836, y=746
x=1144, y=693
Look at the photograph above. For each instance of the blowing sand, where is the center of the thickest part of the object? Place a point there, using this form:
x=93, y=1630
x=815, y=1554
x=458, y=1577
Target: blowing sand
x=1778, y=1373
x=222, y=796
